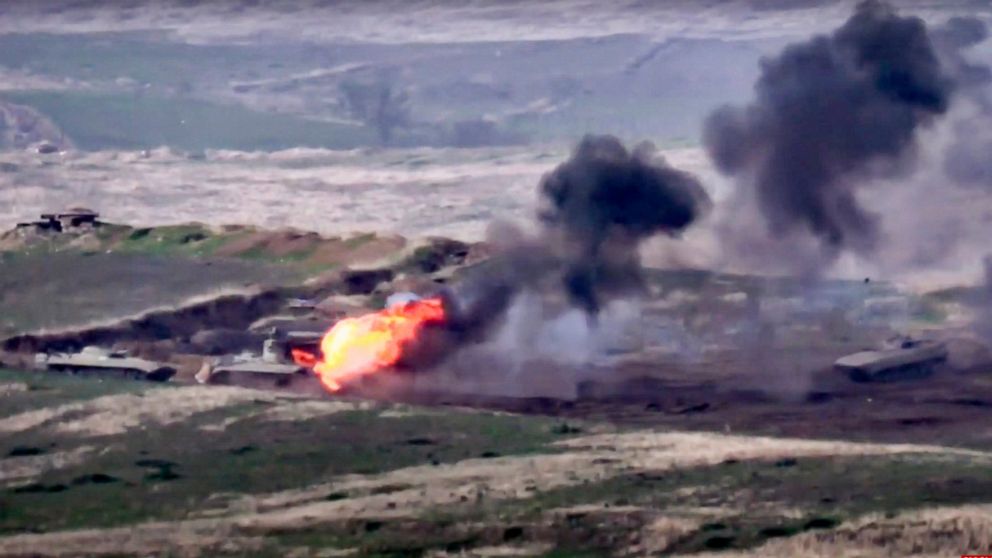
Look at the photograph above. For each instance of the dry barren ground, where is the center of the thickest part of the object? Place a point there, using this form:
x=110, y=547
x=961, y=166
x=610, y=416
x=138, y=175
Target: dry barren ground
x=412, y=192
x=112, y=468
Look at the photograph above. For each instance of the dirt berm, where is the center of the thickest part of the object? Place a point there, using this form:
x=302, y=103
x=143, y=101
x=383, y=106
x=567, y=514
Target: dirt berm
x=231, y=310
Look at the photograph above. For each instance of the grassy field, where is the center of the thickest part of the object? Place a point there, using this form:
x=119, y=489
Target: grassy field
x=66, y=289
x=125, y=121
x=118, y=270
x=230, y=471
x=143, y=57
x=241, y=443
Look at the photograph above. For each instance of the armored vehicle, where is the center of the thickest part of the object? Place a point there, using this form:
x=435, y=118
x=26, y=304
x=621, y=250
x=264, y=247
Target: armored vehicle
x=103, y=362
x=899, y=359
x=273, y=369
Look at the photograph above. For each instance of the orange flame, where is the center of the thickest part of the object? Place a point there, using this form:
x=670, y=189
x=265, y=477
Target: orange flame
x=358, y=346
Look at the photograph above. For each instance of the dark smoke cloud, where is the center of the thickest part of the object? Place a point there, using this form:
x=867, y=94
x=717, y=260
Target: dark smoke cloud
x=829, y=113
x=600, y=205
x=603, y=202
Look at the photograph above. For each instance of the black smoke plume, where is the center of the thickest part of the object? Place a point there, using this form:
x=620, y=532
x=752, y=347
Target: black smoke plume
x=829, y=113
x=599, y=206
x=602, y=203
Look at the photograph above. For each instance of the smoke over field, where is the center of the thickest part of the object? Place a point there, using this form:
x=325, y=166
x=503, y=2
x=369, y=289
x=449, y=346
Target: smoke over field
x=603, y=202
x=839, y=116
x=599, y=206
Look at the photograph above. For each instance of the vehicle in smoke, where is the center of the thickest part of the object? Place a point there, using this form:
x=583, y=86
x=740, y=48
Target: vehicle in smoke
x=99, y=361
x=274, y=368
x=902, y=358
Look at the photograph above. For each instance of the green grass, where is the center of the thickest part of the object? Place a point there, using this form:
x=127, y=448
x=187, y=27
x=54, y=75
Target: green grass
x=175, y=470
x=49, y=389
x=97, y=286
x=123, y=121
x=250, y=456
x=126, y=270
x=185, y=239
x=842, y=486
x=196, y=240
x=826, y=491
x=143, y=56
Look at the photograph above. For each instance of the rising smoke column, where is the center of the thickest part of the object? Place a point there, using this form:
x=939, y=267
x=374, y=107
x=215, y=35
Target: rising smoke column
x=599, y=206
x=602, y=203
x=830, y=113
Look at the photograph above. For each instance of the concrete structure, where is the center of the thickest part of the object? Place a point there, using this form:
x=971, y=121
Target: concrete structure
x=76, y=218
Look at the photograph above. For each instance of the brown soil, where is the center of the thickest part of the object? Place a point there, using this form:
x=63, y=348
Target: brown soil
x=277, y=243
x=358, y=250
x=951, y=408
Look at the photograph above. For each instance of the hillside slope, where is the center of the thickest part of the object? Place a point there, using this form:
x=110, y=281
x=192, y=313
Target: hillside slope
x=218, y=471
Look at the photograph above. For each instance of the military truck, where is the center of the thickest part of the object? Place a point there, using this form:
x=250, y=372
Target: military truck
x=899, y=359
x=98, y=361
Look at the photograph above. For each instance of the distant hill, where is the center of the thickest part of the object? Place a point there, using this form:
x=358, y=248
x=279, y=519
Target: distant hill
x=21, y=126
x=97, y=121
x=142, y=90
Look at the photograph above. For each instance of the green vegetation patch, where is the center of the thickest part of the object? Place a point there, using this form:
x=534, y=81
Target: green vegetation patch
x=179, y=470
x=172, y=471
x=49, y=389
x=827, y=491
x=750, y=502
x=65, y=289
x=189, y=239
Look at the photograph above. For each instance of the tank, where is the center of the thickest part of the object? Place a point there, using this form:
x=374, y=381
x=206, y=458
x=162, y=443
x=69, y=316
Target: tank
x=104, y=362
x=899, y=359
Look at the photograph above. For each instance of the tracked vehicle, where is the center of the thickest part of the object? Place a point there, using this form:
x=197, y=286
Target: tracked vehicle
x=899, y=359
x=97, y=361
x=274, y=368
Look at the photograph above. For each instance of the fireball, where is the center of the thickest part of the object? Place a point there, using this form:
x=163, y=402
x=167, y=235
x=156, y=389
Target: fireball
x=355, y=347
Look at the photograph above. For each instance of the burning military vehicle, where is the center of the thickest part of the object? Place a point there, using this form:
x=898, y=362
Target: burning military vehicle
x=359, y=346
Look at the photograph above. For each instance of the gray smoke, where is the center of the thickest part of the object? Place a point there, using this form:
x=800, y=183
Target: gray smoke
x=829, y=114
x=956, y=36
x=600, y=205
x=966, y=159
